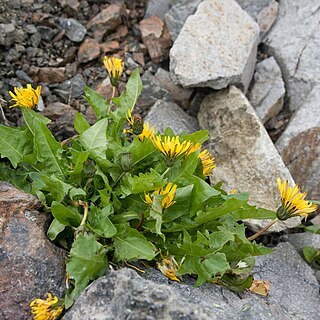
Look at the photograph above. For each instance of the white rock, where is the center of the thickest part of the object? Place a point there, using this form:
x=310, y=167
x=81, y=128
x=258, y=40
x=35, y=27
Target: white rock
x=294, y=41
x=216, y=47
x=267, y=92
x=245, y=155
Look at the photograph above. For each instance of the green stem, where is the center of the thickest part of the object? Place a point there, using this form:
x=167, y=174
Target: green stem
x=166, y=171
x=85, y=212
x=256, y=235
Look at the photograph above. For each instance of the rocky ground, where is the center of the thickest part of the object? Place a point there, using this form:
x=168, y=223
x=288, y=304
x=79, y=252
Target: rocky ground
x=250, y=67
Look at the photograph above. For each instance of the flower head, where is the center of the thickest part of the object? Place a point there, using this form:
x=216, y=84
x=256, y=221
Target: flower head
x=292, y=202
x=114, y=67
x=171, y=147
x=146, y=132
x=168, y=192
x=208, y=163
x=25, y=97
x=169, y=267
x=49, y=309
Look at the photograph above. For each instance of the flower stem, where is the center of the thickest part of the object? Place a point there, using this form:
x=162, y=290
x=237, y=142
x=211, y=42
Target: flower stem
x=85, y=212
x=113, y=91
x=256, y=235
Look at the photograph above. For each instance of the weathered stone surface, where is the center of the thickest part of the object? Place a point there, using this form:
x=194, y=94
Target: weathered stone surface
x=70, y=5
x=301, y=240
x=177, y=16
x=152, y=92
x=264, y=12
x=294, y=42
x=110, y=46
x=245, y=155
x=74, y=86
x=123, y=294
x=157, y=8
x=156, y=37
x=179, y=94
x=164, y=115
x=299, y=145
x=104, y=88
x=107, y=20
x=89, y=50
x=224, y=54
x=51, y=75
x=30, y=264
x=74, y=30
x=267, y=93
x=293, y=284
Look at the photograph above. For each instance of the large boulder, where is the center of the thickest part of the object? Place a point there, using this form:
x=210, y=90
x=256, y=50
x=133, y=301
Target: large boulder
x=30, y=264
x=245, y=155
x=217, y=46
x=299, y=145
x=294, y=42
x=123, y=294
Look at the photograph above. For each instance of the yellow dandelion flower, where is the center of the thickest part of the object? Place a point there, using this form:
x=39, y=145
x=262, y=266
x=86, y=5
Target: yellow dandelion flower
x=169, y=192
x=114, y=67
x=146, y=132
x=25, y=97
x=49, y=309
x=208, y=163
x=171, y=147
x=169, y=267
x=292, y=202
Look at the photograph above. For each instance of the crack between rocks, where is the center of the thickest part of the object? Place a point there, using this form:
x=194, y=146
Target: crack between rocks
x=299, y=58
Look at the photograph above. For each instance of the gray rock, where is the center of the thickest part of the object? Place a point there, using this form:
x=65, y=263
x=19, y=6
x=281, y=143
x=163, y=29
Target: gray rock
x=152, y=92
x=177, y=16
x=245, y=155
x=179, y=94
x=294, y=42
x=299, y=145
x=267, y=93
x=74, y=86
x=23, y=76
x=264, y=12
x=46, y=33
x=293, y=284
x=30, y=264
x=157, y=8
x=164, y=115
x=7, y=33
x=74, y=30
x=224, y=54
x=301, y=240
x=31, y=28
x=35, y=39
x=123, y=294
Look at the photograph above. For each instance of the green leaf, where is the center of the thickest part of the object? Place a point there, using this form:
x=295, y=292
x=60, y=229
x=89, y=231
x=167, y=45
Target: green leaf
x=55, y=228
x=237, y=283
x=98, y=103
x=310, y=253
x=94, y=139
x=314, y=229
x=100, y=223
x=219, y=238
x=130, y=244
x=48, y=150
x=80, y=123
x=133, y=90
x=15, y=144
x=53, y=185
x=196, y=137
x=66, y=215
x=87, y=261
x=31, y=117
